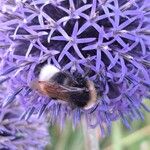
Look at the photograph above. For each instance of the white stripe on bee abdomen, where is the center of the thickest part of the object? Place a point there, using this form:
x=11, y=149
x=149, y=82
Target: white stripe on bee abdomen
x=47, y=72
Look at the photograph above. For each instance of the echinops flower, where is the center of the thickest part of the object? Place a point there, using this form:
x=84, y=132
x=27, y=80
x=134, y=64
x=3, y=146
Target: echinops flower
x=110, y=38
x=18, y=134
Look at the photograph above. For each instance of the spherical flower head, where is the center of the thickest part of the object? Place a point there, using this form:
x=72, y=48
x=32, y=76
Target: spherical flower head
x=110, y=38
x=19, y=134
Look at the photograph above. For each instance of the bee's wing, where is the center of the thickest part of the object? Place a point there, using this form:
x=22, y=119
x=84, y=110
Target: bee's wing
x=57, y=91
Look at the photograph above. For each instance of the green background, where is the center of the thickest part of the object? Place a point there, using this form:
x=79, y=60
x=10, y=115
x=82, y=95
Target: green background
x=120, y=138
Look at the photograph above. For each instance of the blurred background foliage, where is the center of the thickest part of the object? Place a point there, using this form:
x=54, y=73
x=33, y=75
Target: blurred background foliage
x=120, y=138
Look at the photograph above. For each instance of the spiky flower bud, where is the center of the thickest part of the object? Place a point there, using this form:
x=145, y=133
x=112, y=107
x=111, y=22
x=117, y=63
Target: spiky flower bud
x=108, y=37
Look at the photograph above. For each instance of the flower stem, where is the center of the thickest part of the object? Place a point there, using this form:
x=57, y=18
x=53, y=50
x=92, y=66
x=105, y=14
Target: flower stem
x=90, y=137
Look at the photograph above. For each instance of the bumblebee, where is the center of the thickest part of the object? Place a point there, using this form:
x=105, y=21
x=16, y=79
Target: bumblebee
x=65, y=87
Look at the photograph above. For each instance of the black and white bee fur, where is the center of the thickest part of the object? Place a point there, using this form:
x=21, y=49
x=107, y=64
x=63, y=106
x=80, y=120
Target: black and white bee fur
x=63, y=86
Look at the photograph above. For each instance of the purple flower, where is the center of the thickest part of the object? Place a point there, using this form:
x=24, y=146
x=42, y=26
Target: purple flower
x=108, y=37
x=20, y=134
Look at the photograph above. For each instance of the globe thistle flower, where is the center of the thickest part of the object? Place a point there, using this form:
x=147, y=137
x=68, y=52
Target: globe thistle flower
x=19, y=134
x=108, y=37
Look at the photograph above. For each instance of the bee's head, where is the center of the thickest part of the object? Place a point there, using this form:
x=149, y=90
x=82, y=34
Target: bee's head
x=81, y=81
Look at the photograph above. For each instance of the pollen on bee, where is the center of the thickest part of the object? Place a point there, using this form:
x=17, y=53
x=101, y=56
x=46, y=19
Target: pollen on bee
x=47, y=72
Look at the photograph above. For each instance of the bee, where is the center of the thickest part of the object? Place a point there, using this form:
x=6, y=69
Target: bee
x=65, y=87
